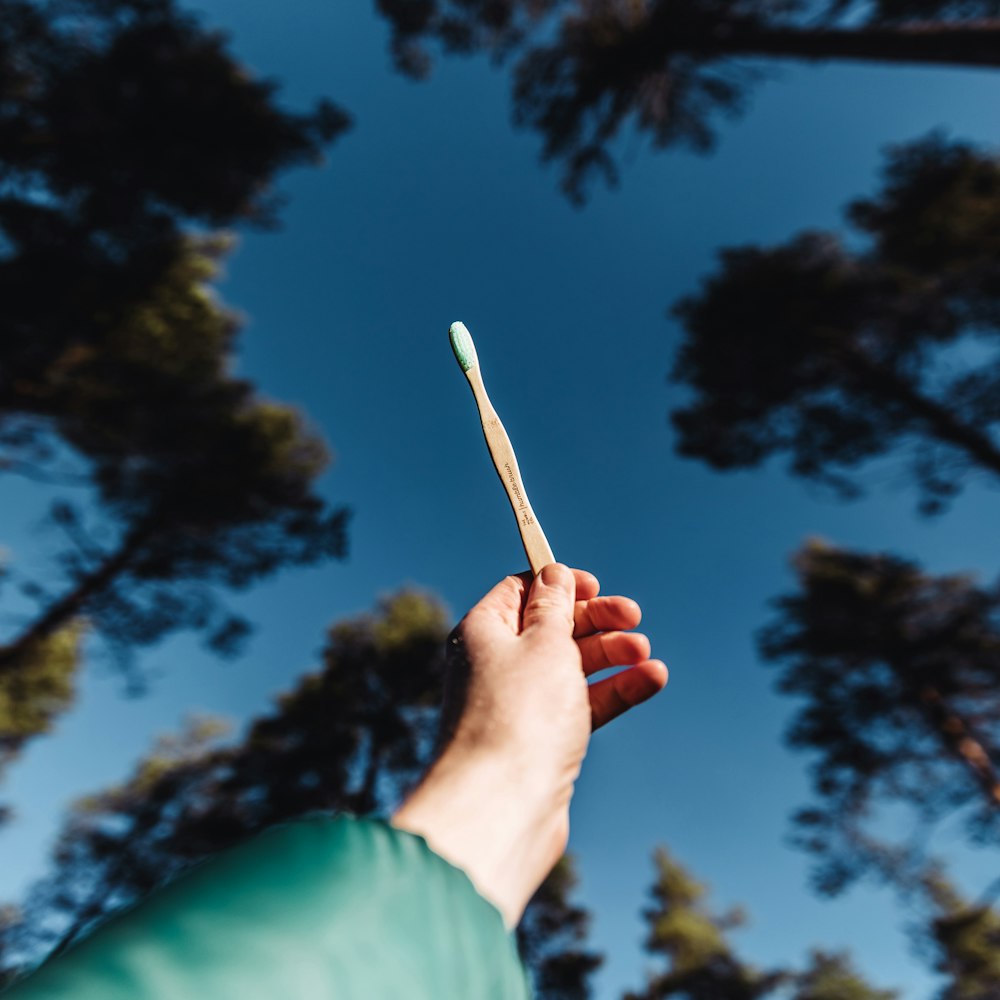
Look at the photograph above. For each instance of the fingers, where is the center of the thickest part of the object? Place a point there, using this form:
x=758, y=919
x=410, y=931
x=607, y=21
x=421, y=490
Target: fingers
x=605, y=614
x=587, y=585
x=614, y=695
x=550, y=603
x=612, y=649
x=500, y=611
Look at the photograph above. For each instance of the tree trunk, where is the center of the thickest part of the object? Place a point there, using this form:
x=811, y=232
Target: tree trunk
x=973, y=43
x=943, y=424
x=617, y=57
x=960, y=742
x=364, y=799
x=67, y=607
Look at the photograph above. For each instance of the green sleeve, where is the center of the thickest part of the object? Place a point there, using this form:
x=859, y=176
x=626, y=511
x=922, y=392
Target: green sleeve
x=318, y=909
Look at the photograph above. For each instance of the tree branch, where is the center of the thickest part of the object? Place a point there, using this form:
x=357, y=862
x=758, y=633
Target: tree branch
x=73, y=603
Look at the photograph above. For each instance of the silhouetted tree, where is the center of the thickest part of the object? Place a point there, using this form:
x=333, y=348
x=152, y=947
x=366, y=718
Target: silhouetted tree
x=836, y=354
x=966, y=936
x=552, y=938
x=123, y=123
x=39, y=689
x=123, y=119
x=587, y=69
x=701, y=963
x=350, y=737
x=833, y=977
x=202, y=482
x=899, y=673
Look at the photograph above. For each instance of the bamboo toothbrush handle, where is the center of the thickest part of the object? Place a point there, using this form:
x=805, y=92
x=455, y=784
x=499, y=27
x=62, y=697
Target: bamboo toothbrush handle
x=536, y=546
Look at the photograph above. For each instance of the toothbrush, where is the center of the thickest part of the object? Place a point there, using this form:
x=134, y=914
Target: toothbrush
x=502, y=452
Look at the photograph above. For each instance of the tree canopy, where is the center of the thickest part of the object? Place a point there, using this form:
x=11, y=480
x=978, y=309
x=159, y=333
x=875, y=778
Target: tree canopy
x=122, y=123
x=965, y=936
x=42, y=686
x=702, y=963
x=552, y=938
x=587, y=71
x=837, y=352
x=197, y=480
x=898, y=673
x=124, y=126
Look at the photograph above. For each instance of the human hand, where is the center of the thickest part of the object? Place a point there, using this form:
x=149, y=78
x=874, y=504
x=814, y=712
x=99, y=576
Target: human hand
x=519, y=713
x=519, y=663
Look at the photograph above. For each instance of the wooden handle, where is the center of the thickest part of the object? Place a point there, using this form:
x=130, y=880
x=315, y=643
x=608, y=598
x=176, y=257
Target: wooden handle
x=504, y=460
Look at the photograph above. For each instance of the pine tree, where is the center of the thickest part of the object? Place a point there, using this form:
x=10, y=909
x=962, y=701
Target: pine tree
x=587, y=70
x=202, y=483
x=701, y=963
x=552, y=936
x=123, y=123
x=898, y=673
x=836, y=354
x=833, y=977
x=966, y=937
x=38, y=690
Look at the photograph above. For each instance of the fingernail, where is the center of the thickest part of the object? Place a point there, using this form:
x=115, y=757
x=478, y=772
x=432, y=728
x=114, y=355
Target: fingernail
x=556, y=575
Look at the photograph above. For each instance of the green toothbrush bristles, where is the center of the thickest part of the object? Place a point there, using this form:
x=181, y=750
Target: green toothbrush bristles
x=462, y=345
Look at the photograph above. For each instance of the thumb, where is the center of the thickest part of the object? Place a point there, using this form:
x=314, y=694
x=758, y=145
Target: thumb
x=549, y=608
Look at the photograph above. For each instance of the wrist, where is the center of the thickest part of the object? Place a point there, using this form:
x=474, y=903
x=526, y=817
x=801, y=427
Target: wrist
x=504, y=826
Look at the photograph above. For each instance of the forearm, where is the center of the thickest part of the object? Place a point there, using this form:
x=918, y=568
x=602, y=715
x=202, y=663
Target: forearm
x=502, y=827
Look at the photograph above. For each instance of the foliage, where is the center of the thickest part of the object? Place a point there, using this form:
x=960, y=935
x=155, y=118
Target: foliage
x=123, y=124
x=832, y=977
x=39, y=689
x=552, y=935
x=967, y=940
x=836, y=356
x=898, y=674
x=702, y=963
x=124, y=114
x=589, y=70
x=838, y=350
x=126, y=128
x=43, y=685
x=205, y=482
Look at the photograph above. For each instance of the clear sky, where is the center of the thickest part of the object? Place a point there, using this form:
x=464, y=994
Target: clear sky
x=434, y=209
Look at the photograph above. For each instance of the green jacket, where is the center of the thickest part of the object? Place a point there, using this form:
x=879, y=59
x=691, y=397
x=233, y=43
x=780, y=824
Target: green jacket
x=318, y=909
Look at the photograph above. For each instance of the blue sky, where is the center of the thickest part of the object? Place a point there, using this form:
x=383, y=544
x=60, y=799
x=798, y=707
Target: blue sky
x=434, y=209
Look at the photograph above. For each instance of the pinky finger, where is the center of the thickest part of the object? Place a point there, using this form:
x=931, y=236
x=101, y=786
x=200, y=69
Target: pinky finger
x=612, y=696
